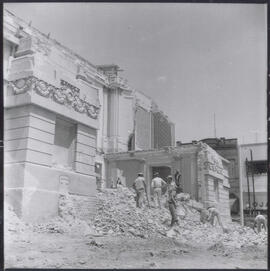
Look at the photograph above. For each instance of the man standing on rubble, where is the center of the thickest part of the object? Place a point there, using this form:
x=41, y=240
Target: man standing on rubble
x=140, y=188
x=260, y=221
x=157, y=184
x=178, y=182
x=171, y=190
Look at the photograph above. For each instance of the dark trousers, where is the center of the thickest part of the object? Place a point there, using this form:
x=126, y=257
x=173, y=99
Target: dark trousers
x=260, y=224
x=172, y=209
x=139, y=197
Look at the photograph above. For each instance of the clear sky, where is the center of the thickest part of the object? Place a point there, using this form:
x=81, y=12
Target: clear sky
x=192, y=59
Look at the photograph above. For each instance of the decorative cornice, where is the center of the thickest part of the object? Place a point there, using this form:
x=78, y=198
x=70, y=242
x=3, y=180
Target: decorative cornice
x=67, y=94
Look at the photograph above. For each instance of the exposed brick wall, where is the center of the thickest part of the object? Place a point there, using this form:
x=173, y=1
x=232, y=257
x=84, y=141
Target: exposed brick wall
x=162, y=131
x=143, y=129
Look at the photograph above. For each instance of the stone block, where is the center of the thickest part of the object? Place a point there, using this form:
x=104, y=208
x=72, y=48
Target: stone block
x=42, y=124
x=86, y=140
x=19, y=122
x=37, y=145
x=89, y=150
x=38, y=157
x=41, y=135
x=39, y=205
x=87, y=131
x=17, y=133
x=15, y=156
x=14, y=197
x=16, y=144
x=84, y=158
x=83, y=185
x=84, y=168
x=17, y=112
x=42, y=114
x=20, y=67
x=14, y=175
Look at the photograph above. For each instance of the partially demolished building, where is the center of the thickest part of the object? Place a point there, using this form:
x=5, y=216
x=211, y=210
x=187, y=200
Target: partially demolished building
x=69, y=123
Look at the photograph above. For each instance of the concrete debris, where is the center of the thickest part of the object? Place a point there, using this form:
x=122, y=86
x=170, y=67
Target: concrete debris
x=117, y=212
x=117, y=215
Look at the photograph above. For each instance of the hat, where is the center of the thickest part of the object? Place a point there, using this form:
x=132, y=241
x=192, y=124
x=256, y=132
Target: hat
x=156, y=174
x=169, y=176
x=140, y=174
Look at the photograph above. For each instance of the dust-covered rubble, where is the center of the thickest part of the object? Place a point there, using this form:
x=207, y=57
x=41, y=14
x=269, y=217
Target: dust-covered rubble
x=117, y=215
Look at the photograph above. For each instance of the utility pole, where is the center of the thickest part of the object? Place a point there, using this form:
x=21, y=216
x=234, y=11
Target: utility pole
x=252, y=175
x=249, y=205
x=215, y=130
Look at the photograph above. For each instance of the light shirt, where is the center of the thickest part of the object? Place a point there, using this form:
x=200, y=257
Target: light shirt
x=139, y=183
x=157, y=182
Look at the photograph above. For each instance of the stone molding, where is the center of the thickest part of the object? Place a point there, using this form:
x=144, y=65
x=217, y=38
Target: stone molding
x=67, y=94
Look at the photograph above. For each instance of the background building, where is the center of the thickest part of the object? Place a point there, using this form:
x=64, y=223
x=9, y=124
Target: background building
x=204, y=172
x=254, y=170
x=228, y=148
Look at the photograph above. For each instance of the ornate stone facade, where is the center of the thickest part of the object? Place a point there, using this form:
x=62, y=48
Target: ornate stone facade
x=66, y=95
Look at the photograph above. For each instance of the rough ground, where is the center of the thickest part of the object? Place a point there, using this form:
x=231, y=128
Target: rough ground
x=121, y=236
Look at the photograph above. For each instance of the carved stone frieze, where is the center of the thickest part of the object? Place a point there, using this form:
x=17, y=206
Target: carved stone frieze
x=209, y=159
x=67, y=94
x=91, y=110
x=21, y=85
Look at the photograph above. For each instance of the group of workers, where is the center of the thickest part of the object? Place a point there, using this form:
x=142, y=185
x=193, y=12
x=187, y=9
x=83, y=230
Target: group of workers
x=174, y=189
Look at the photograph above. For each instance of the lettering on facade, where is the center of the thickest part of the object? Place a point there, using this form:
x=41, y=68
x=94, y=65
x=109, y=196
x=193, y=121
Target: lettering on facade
x=66, y=95
x=258, y=204
x=213, y=166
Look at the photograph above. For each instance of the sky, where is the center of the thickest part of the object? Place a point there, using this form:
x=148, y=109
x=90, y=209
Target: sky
x=194, y=60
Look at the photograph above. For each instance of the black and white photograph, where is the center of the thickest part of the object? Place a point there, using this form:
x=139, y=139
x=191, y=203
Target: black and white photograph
x=135, y=135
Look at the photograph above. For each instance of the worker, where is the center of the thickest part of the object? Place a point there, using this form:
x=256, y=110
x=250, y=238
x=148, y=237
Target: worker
x=140, y=188
x=260, y=221
x=204, y=215
x=178, y=182
x=157, y=184
x=213, y=212
x=171, y=190
x=118, y=182
x=209, y=214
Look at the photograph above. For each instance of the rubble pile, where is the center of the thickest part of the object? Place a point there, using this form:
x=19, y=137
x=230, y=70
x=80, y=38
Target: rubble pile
x=67, y=220
x=117, y=214
x=237, y=235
